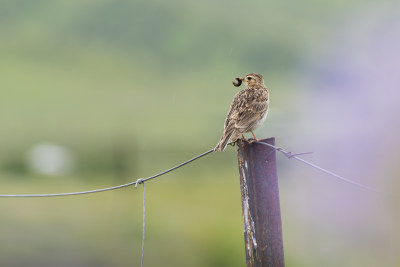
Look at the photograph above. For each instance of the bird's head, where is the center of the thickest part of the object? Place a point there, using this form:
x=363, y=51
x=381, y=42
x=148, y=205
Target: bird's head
x=250, y=80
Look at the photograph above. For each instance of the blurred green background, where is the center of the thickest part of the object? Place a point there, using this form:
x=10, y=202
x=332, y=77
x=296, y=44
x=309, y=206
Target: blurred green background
x=100, y=93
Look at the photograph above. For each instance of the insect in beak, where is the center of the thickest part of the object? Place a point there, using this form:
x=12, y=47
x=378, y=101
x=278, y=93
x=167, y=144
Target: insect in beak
x=237, y=82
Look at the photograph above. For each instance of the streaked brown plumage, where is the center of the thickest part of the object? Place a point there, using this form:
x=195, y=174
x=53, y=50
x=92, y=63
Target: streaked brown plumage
x=248, y=110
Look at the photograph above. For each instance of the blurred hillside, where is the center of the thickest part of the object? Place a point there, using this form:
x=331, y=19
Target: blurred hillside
x=124, y=89
x=101, y=76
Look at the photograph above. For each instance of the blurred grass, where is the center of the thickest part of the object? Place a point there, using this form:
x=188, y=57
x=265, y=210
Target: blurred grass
x=106, y=227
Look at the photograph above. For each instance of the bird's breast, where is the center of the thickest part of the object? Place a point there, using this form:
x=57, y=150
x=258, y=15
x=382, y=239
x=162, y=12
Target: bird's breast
x=261, y=120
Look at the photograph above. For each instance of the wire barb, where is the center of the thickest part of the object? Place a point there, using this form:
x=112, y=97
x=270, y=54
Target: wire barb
x=289, y=154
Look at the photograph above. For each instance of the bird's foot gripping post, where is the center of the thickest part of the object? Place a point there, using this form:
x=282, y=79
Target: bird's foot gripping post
x=260, y=204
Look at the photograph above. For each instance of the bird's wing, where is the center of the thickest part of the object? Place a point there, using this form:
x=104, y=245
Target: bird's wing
x=250, y=111
x=259, y=105
x=235, y=109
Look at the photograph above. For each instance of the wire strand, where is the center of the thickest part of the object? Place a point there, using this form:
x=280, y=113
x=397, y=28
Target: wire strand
x=287, y=154
x=144, y=223
x=290, y=155
x=138, y=181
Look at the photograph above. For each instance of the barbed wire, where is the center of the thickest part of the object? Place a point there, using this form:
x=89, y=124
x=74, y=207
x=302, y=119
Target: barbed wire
x=290, y=155
x=286, y=153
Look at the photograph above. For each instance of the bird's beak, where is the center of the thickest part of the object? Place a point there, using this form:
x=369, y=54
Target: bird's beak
x=237, y=82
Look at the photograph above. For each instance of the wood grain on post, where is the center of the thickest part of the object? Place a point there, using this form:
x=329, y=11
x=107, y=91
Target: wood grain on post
x=260, y=204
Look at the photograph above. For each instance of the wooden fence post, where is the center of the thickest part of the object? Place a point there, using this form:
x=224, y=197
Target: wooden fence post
x=260, y=204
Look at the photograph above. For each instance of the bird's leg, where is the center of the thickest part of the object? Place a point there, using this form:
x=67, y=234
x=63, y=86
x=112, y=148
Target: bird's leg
x=244, y=138
x=255, y=138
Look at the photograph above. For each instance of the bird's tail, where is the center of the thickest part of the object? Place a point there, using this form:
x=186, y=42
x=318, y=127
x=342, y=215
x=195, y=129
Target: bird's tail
x=223, y=142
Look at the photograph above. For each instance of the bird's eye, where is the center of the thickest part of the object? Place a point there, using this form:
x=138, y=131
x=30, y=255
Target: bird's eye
x=249, y=78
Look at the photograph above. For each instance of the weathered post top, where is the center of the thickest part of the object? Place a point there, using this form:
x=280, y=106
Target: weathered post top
x=260, y=204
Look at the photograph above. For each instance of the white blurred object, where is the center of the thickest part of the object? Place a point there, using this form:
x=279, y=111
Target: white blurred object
x=50, y=159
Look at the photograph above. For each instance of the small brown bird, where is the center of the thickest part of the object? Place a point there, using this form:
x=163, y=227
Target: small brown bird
x=248, y=110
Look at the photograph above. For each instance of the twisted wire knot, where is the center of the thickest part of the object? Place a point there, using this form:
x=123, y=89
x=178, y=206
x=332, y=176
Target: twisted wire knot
x=139, y=181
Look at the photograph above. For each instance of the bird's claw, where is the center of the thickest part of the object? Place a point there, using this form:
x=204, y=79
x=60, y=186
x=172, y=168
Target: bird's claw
x=232, y=143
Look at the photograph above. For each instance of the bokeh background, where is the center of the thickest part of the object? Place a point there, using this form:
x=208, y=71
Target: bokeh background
x=100, y=93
